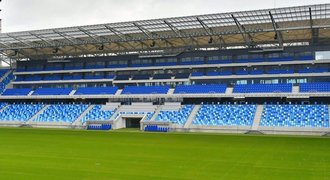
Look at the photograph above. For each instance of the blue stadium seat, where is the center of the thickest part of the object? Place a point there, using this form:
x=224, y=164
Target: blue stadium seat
x=177, y=117
x=52, y=91
x=262, y=88
x=287, y=115
x=145, y=90
x=314, y=87
x=96, y=91
x=20, y=112
x=17, y=92
x=61, y=113
x=200, y=89
x=225, y=115
x=97, y=114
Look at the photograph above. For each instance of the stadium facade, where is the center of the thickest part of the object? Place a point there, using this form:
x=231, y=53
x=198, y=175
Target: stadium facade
x=263, y=71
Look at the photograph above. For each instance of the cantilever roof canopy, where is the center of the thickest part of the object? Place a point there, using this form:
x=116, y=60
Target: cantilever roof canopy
x=268, y=27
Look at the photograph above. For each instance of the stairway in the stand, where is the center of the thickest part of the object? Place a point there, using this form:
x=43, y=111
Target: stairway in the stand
x=170, y=92
x=37, y=114
x=153, y=117
x=295, y=89
x=229, y=90
x=77, y=121
x=191, y=116
x=257, y=117
x=72, y=92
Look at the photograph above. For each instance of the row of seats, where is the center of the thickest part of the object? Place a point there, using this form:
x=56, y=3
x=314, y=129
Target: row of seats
x=202, y=89
x=145, y=90
x=262, y=88
x=177, y=116
x=20, y=112
x=225, y=115
x=314, y=87
x=168, y=76
x=314, y=116
x=191, y=62
x=97, y=114
x=103, y=127
x=61, y=113
x=180, y=89
x=273, y=115
x=156, y=128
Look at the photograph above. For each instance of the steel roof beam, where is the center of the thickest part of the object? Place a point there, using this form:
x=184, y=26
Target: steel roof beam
x=313, y=31
x=207, y=29
x=278, y=33
x=151, y=35
x=246, y=36
x=65, y=36
x=121, y=36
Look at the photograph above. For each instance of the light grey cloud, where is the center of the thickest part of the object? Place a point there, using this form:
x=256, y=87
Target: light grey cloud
x=21, y=15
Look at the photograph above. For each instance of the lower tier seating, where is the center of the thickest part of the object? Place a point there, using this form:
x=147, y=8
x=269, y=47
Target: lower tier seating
x=295, y=116
x=63, y=113
x=225, y=115
x=20, y=112
x=177, y=117
x=97, y=114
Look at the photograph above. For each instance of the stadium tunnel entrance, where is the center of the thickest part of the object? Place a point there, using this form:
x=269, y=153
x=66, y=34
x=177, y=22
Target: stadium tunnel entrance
x=133, y=122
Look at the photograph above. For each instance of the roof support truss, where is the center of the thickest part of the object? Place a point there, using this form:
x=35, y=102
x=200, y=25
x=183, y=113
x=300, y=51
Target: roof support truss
x=246, y=36
x=278, y=35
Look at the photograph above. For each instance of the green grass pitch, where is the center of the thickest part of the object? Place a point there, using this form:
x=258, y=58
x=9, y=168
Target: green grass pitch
x=74, y=154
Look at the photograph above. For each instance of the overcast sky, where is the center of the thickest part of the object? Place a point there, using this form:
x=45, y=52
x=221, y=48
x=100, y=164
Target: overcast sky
x=21, y=15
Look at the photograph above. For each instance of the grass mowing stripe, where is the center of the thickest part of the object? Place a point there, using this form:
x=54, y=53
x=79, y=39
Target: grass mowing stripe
x=76, y=154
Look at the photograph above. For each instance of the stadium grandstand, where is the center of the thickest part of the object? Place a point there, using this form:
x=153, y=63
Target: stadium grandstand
x=262, y=71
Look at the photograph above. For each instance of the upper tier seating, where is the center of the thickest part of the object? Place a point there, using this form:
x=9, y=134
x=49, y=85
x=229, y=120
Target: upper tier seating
x=225, y=115
x=202, y=89
x=63, y=113
x=97, y=114
x=145, y=90
x=177, y=117
x=52, y=91
x=314, y=70
x=295, y=116
x=315, y=87
x=20, y=112
x=17, y=92
x=96, y=90
x=263, y=88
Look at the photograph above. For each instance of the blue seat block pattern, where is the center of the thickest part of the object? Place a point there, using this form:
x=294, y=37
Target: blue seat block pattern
x=200, y=89
x=225, y=115
x=287, y=115
x=96, y=91
x=97, y=114
x=314, y=87
x=62, y=113
x=145, y=90
x=262, y=88
x=20, y=112
x=156, y=128
x=52, y=91
x=17, y=92
x=176, y=117
x=102, y=127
